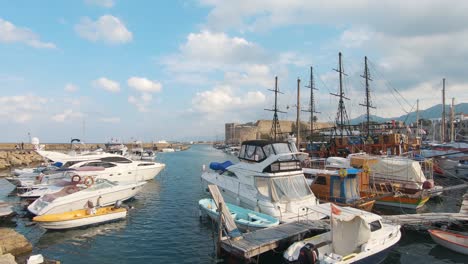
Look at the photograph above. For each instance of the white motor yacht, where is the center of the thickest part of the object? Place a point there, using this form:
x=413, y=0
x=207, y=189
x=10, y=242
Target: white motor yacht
x=122, y=169
x=268, y=179
x=114, y=168
x=355, y=237
x=74, y=197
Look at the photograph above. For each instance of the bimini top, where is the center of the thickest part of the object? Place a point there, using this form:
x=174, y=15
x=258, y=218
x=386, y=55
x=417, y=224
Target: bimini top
x=259, y=142
x=259, y=150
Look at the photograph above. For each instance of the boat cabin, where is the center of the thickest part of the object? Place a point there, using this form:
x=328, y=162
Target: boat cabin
x=256, y=151
x=342, y=186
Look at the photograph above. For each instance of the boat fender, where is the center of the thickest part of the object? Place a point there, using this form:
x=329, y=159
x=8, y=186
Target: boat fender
x=308, y=254
x=88, y=181
x=366, y=168
x=428, y=185
x=75, y=178
x=343, y=173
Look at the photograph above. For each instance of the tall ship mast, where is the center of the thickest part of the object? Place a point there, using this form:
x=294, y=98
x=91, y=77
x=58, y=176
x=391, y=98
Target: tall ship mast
x=367, y=102
x=342, y=120
x=311, y=109
x=275, y=126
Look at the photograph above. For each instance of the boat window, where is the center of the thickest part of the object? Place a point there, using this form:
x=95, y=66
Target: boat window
x=374, y=226
x=321, y=180
x=281, y=148
x=242, y=151
x=262, y=186
x=259, y=155
x=284, y=189
x=229, y=173
x=268, y=149
x=250, y=151
x=70, y=163
x=99, y=164
x=145, y=164
x=336, y=188
x=116, y=159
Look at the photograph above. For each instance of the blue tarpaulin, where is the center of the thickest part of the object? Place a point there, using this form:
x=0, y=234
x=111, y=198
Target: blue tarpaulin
x=220, y=166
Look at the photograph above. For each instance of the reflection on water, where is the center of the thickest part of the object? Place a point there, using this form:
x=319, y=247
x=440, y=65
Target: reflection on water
x=79, y=236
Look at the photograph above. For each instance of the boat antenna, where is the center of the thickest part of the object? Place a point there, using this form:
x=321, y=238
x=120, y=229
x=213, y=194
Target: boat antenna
x=342, y=116
x=367, y=103
x=275, y=126
x=311, y=109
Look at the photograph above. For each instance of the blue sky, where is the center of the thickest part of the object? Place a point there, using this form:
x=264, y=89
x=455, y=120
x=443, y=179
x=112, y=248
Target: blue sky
x=179, y=70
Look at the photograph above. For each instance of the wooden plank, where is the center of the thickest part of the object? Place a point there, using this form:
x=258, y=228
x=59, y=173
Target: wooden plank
x=413, y=219
x=231, y=226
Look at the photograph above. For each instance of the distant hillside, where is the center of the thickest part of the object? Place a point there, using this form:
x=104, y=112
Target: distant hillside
x=432, y=112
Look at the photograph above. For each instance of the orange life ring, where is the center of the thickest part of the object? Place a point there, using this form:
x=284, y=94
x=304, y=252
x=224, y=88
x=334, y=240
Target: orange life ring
x=76, y=178
x=88, y=181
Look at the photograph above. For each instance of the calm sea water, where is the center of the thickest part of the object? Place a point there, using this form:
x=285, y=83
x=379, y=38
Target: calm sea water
x=164, y=226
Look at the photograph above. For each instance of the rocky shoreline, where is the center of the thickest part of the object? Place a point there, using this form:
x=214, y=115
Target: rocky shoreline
x=16, y=158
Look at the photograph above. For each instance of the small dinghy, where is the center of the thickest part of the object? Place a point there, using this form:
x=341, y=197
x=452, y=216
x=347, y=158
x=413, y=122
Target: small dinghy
x=246, y=220
x=81, y=217
x=453, y=241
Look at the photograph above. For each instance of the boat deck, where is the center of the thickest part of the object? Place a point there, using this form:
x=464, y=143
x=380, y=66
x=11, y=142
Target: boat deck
x=261, y=241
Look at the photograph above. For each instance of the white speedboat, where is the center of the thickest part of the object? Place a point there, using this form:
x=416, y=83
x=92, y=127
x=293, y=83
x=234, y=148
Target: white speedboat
x=75, y=197
x=245, y=219
x=355, y=237
x=82, y=217
x=268, y=179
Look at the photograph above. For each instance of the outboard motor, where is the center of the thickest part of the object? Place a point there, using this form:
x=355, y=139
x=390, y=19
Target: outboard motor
x=308, y=254
x=118, y=204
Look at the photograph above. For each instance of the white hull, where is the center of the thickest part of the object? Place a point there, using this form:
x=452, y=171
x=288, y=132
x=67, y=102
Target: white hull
x=460, y=248
x=83, y=221
x=79, y=200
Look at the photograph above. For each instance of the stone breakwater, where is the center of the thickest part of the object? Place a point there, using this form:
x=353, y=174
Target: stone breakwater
x=15, y=158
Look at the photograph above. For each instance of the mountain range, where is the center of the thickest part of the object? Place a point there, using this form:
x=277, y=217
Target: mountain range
x=432, y=112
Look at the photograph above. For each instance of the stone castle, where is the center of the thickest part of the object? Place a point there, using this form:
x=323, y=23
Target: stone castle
x=235, y=133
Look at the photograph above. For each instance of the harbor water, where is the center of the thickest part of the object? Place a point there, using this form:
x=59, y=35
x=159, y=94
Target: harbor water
x=164, y=226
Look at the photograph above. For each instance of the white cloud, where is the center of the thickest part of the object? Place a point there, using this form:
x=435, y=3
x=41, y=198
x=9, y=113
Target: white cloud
x=112, y=120
x=107, y=28
x=107, y=84
x=398, y=17
x=221, y=99
x=21, y=108
x=256, y=75
x=141, y=102
x=144, y=85
x=103, y=3
x=67, y=115
x=70, y=87
x=207, y=51
x=9, y=33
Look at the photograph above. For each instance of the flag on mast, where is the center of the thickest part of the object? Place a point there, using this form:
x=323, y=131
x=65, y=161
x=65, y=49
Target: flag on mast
x=335, y=210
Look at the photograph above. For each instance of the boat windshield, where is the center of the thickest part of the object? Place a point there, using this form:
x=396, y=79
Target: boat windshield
x=258, y=153
x=283, y=189
x=100, y=184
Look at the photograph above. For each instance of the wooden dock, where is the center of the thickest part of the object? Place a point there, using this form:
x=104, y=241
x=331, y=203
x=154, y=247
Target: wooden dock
x=261, y=241
x=428, y=218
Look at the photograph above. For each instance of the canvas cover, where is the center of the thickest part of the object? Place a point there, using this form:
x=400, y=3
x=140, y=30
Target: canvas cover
x=349, y=233
x=398, y=169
